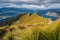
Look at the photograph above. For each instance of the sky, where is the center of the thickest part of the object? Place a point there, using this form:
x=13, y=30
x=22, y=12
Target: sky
x=35, y=4
x=32, y=4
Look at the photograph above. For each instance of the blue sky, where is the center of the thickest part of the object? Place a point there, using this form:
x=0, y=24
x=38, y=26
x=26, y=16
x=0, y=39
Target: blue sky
x=35, y=4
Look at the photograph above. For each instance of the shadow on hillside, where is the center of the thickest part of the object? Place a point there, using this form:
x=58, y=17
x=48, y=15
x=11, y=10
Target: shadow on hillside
x=11, y=21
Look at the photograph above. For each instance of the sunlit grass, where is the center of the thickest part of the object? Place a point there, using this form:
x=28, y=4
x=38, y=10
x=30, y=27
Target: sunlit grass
x=32, y=27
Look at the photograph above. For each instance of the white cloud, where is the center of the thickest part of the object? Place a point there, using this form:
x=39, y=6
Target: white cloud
x=51, y=6
x=46, y=1
x=34, y=1
x=27, y=6
x=4, y=17
x=38, y=1
x=41, y=6
x=24, y=0
x=52, y=14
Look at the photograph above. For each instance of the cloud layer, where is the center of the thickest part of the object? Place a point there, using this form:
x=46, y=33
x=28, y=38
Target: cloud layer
x=38, y=4
x=53, y=14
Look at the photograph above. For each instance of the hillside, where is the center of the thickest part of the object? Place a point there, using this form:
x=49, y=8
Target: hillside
x=31, y=27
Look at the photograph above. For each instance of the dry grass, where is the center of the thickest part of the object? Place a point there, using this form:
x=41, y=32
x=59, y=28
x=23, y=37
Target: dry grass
x=32, y=27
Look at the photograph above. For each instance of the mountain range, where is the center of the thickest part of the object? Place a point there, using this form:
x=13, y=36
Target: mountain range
x=13, y=12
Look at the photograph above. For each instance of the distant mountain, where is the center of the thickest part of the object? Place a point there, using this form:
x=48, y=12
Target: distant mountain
x=10, y=11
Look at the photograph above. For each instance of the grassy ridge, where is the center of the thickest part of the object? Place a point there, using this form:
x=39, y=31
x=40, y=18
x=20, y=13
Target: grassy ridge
x=32, y=27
